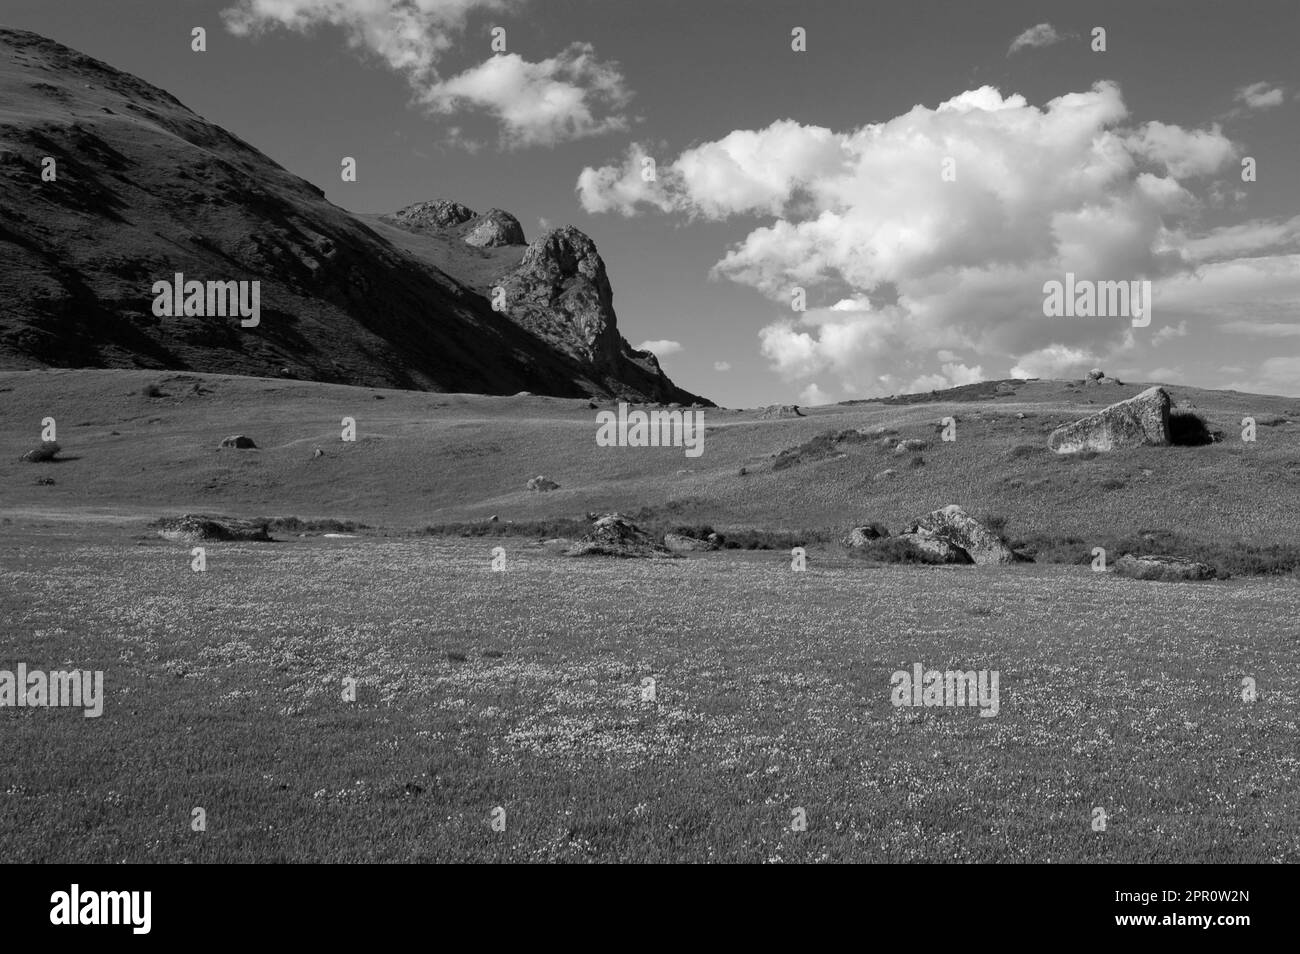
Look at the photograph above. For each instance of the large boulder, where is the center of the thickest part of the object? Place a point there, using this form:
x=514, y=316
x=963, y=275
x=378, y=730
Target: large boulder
x=952, y=528
x=612, y=534
x=196, y=528
x=494, y=229
x=1143, y=419
x=1166, y=569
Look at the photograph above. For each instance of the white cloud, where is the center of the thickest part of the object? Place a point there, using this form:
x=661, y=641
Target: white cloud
x=1055, y=361
x=571, y=95
x=1278, y=375
x=1169, y=332
x=1263, y=329
x=917, y=265
x=661, y=347
x=1044, y=34
x=812, y=396
x=1260, y=96
x=722, y=366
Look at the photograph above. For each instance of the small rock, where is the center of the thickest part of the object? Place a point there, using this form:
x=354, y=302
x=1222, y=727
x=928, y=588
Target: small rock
x=542, y=484
x=859, y=537
x=42, y=454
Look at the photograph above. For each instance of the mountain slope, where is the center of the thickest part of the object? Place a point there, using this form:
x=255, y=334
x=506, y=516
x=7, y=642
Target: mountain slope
x=145, y=188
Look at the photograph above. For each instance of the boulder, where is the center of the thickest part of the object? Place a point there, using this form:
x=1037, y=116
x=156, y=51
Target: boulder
x=238, y=441
x=952, y=527
x=859, y=537
x=494, y=229
x=614, y=535
x=1166, y=569
x=42, y=454
x=196, y=528
x=937, y=547
x=679, y=543
x=542, y=484
x=1140, y=420
x=1096, y=374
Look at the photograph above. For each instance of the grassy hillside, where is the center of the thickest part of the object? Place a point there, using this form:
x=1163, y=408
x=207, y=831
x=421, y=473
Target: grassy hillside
x=424, y=459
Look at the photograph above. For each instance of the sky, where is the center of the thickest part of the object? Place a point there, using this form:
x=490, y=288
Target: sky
x=911, y=174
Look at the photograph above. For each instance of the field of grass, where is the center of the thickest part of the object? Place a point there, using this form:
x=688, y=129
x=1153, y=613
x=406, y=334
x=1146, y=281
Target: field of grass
x=523, y=690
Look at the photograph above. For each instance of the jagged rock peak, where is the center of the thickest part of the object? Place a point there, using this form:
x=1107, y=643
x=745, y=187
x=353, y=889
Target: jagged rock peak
x=564, y=253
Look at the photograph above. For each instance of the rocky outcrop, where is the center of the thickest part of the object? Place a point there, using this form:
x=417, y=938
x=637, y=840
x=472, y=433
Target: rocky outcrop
x=952, y=529
x=779, y=411
x=435, y=214
x=560, y=292
x=1098, y=376
x=1140, y=420
x=493, y=230
x=614, y=535
x=1165, y=569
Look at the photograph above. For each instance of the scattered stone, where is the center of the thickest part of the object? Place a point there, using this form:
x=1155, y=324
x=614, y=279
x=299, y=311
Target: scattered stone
x=1165, y=569
x=318, y=453
x=492, y=519
x=1143, y=419
x=885, y=474
x=42, y=454
x=952, y=528
x=859, y=537
x=912, y=444
x=1020, y=415
x=44, y=481
x=541, y=484
x=614, y=535
x=238, y=441
x=195, y=528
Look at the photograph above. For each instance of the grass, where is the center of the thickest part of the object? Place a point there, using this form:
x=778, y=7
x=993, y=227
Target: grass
x=522, y=690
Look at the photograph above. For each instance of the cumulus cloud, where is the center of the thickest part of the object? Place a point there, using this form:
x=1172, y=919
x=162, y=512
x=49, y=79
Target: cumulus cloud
x=722, y=366
x=1044, y=34
x=661, y=347
x=1260, y=96
x=1055, y=361
x=1277, y=375
x=812, y=396
x=952, y=264
x=571, y=95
